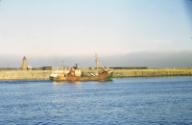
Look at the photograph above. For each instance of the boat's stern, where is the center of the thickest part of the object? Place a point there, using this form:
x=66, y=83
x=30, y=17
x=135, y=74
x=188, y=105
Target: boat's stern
x=53, y=76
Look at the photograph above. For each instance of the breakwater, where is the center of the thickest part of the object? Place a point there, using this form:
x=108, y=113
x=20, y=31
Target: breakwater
x=152, y=72
x=24, y=74
x=117, y=73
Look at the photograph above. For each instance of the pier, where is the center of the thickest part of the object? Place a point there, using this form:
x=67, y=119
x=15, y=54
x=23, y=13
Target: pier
x=43, y=74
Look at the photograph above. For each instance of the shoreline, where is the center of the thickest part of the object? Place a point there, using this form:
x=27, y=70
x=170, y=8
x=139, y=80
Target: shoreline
x=117, y=73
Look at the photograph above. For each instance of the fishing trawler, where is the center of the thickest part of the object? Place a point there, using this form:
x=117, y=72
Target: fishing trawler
x=75, y=74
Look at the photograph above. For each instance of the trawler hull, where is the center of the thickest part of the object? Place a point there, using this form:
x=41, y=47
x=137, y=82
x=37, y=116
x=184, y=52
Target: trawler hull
x=82, y=78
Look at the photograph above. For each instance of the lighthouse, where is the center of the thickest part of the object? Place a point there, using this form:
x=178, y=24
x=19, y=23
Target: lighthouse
x=24, y=64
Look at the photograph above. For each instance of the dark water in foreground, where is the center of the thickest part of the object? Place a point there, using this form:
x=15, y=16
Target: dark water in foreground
x=129, y=101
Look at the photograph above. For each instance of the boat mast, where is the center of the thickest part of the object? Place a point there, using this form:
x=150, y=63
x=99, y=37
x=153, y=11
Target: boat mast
x=97, y=61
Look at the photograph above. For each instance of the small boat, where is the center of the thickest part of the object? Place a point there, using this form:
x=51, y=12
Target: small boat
x=102, y=76
x=75, y=74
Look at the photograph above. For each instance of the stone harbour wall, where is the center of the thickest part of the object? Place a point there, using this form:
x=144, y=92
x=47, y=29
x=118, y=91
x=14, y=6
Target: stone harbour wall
x=24, y=74
x=117, y=73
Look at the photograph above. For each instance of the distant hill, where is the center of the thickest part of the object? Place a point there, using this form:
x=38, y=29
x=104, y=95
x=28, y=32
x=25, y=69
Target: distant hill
x=140, y=59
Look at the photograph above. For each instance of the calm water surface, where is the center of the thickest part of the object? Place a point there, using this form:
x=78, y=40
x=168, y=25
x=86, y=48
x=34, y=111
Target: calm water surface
x=128, y=101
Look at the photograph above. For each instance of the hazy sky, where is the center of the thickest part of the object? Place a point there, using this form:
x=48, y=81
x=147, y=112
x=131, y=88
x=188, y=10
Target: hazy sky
x=108, y=27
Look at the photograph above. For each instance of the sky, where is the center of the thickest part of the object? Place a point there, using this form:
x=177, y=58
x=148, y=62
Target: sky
x=64, y=28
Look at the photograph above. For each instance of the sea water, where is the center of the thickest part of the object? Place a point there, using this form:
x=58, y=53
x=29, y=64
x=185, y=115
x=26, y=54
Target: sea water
x=127, y=101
